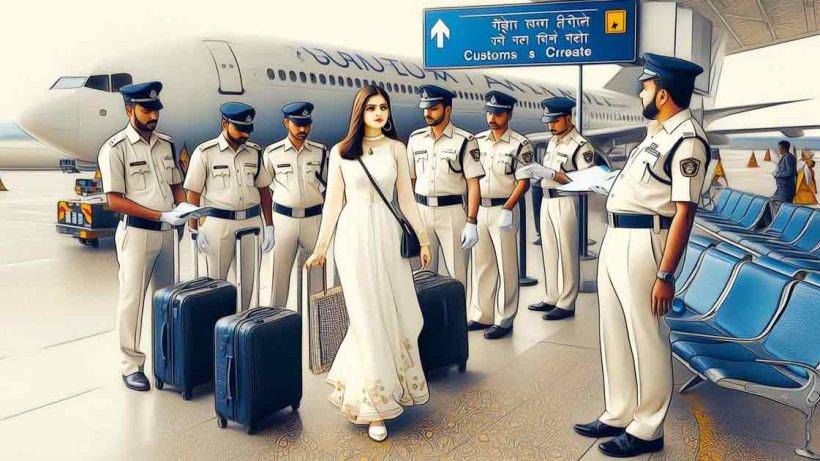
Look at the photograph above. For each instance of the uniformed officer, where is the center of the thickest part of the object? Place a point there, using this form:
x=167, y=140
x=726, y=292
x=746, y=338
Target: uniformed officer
x=141, y=180
x=506, y=157
x=651, y=209
x=444, y=165
x=226, y=173
x=297, y=166
x=567, y=151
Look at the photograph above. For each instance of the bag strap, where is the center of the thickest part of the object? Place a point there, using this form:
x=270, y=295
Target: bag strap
x=381, y=194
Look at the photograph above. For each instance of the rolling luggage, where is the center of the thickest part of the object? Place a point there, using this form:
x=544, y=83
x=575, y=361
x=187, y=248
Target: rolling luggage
x=443, y=339
x=258, y=355
x=183, y=333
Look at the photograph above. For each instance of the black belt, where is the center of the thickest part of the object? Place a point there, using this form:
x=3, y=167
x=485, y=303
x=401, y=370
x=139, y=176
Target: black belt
x=490, y=202
x=639, y=221
x=251, y=212
x=444, y=200
x=147, y=224
x=298, y=212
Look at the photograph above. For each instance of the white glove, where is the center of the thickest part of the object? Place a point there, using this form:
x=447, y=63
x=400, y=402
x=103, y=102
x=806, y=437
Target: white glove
x=469, y=237
x=540, y=171
x=267, y=244
x=505, y=220
x=202, y=242
x=172, y=218
x=184, y=208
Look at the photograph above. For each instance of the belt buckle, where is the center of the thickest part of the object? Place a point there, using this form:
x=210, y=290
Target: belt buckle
x=298, y=212
x=432, y=201
x=656, y=224
x=241, y=215
x=485, y=202
x=611, y=218
x=165, y=226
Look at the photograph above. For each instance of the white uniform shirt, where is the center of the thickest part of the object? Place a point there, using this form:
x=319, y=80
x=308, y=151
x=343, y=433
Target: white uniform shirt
x=296, y=173
x=572, y=152
x=441, y=165
x=227, y=179
x=505, y=162
x=652, y=180
x=142, y=171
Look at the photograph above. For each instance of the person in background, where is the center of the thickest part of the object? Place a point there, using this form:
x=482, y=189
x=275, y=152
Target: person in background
x=785, y=174
x=806, y=191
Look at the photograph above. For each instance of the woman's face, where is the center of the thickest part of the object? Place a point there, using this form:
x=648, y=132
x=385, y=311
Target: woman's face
x=806, y=156
x=376, y=111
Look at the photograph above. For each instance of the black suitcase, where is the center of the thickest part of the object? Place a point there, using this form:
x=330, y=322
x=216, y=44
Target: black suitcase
x=443, y=339
x=183, y=333
x=258, y=355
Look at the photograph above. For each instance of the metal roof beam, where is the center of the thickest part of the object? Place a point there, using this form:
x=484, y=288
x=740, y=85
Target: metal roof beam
x=722, y=19
x=766, y=18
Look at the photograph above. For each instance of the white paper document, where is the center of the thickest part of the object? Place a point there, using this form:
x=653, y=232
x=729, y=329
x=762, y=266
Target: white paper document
x=583, y=180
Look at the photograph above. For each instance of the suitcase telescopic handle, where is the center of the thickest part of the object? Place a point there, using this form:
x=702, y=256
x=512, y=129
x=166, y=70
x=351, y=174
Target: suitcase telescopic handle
x=256, y=263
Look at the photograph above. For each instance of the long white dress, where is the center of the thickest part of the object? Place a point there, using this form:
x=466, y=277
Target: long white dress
x=377, y=370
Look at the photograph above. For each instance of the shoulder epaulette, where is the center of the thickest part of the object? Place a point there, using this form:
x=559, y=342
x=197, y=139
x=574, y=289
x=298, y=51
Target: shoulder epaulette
x=463, y=133
x=483, y=134
x=275, y=146
x=419, y=131
x=208, y=143
x=253, y=145
x=116, y=139
x=164, y=137
x=317, y=144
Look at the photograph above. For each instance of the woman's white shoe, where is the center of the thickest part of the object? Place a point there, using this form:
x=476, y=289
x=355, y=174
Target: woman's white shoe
x=377, y=433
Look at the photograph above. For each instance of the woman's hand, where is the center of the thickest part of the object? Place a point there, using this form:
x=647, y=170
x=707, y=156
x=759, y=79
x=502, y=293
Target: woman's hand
x=315, y=260
x=425, y=256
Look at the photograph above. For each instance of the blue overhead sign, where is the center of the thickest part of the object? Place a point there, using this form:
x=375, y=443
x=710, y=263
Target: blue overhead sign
x=533, y=34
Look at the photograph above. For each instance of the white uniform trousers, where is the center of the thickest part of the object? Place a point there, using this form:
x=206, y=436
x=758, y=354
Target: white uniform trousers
x=493, y=297
x=289, y=234
x=444, y=225
x=559, y=246
x=222, y=251
x=636, y=355
x=143, y=256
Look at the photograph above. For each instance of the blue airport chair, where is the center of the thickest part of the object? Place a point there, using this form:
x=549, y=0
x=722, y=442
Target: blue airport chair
x=806, y=243
x=798, y=221
x=707, y=284
x=736, y=214
x=811, y=265
x=703, y=240
x=781, y=366
x=756, y=211
x=691, y=261
x=728, y=208
x=782, y=267
x=722, y=201
x=775, y=229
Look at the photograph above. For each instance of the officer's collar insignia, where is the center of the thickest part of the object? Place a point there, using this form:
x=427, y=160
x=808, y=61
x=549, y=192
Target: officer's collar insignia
x=248, y=119
x=689, y=167
x=153, y=94
x=493, y=101
x=305, y=112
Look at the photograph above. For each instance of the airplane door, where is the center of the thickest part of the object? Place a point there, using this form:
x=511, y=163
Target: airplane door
x=227, y=68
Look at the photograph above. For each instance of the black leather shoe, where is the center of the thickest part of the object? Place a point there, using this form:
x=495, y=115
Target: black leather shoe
x=496, y=332
x=541, y=307
x=558, y=314
x=597, y=429
x=137, y=382
x=473, y=326
x=627, y=445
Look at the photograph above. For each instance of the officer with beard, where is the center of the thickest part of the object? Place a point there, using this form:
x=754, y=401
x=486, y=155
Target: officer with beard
x=142, y=182
x=651, y=208
x=226, y=174
x=507, y=159
x=444, y=165
x=297, y=166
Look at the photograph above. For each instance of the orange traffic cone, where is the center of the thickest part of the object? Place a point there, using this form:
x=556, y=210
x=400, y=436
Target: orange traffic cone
x=2, y=186
x=184, y=158
x=97, y=174
x=752, y=161
x=768, y=156
x=719, y=173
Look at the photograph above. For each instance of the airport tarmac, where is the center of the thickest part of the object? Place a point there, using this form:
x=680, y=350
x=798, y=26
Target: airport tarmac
x=61, y=396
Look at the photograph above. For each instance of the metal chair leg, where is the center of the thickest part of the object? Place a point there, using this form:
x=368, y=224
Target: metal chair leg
x=806, y=452
x=693, y=381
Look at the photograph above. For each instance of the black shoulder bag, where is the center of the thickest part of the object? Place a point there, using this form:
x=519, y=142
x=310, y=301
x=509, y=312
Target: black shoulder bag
x=410, y=246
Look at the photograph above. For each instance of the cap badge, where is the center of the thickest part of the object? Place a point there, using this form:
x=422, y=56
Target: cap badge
x=424, y=94
x=305, y=112
x=493, y=101
x=153, y=94
x=248, y=119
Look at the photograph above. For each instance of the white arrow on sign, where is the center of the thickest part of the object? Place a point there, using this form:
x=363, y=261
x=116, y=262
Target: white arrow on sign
x=439, y=32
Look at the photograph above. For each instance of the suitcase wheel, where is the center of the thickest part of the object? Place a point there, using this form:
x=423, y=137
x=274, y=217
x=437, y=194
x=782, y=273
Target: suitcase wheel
x=159, y=384
x=221, y=422
x=187, y=394
x=462, y=367
x=295, y=406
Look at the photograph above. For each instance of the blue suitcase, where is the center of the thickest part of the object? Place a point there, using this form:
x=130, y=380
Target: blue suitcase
x=183, y=332
x=258, y=355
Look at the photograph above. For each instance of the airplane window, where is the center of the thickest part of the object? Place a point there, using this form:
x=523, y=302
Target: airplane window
x=365, y=82
x=322, y=79
x=389, y=86
x=303, y=77
x=312, y=78
x=349, y=81
x=403, y=88
x=381, y=84
x=282, y=75
x=358, y=83
x=271, y=74
x=64, y=83
x=120, y=80
x=332, y=79
x=292, y=76
x=97, y=82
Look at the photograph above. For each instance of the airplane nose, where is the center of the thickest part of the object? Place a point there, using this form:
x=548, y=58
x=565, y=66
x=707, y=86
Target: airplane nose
x=52, y=119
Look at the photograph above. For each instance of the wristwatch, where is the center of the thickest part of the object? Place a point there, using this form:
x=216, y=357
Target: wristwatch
x=666, y=276
x=472, y=220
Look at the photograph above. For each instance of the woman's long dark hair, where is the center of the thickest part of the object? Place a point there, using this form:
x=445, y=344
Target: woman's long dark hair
x=350, y=147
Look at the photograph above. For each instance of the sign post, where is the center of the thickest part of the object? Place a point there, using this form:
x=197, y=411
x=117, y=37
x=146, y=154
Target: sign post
x=535, y=34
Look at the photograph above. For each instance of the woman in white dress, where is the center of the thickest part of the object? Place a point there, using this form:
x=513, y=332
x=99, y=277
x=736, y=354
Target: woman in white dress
x=377, y=370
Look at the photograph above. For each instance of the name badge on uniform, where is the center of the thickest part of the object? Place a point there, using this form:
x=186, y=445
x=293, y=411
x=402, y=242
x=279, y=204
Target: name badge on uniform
x=140, y=163
x=313, y=163
x=220, y=167
x=419, y=152
x=448, y=151
x=282, y=165
x=250, y=164
x=168, y=157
